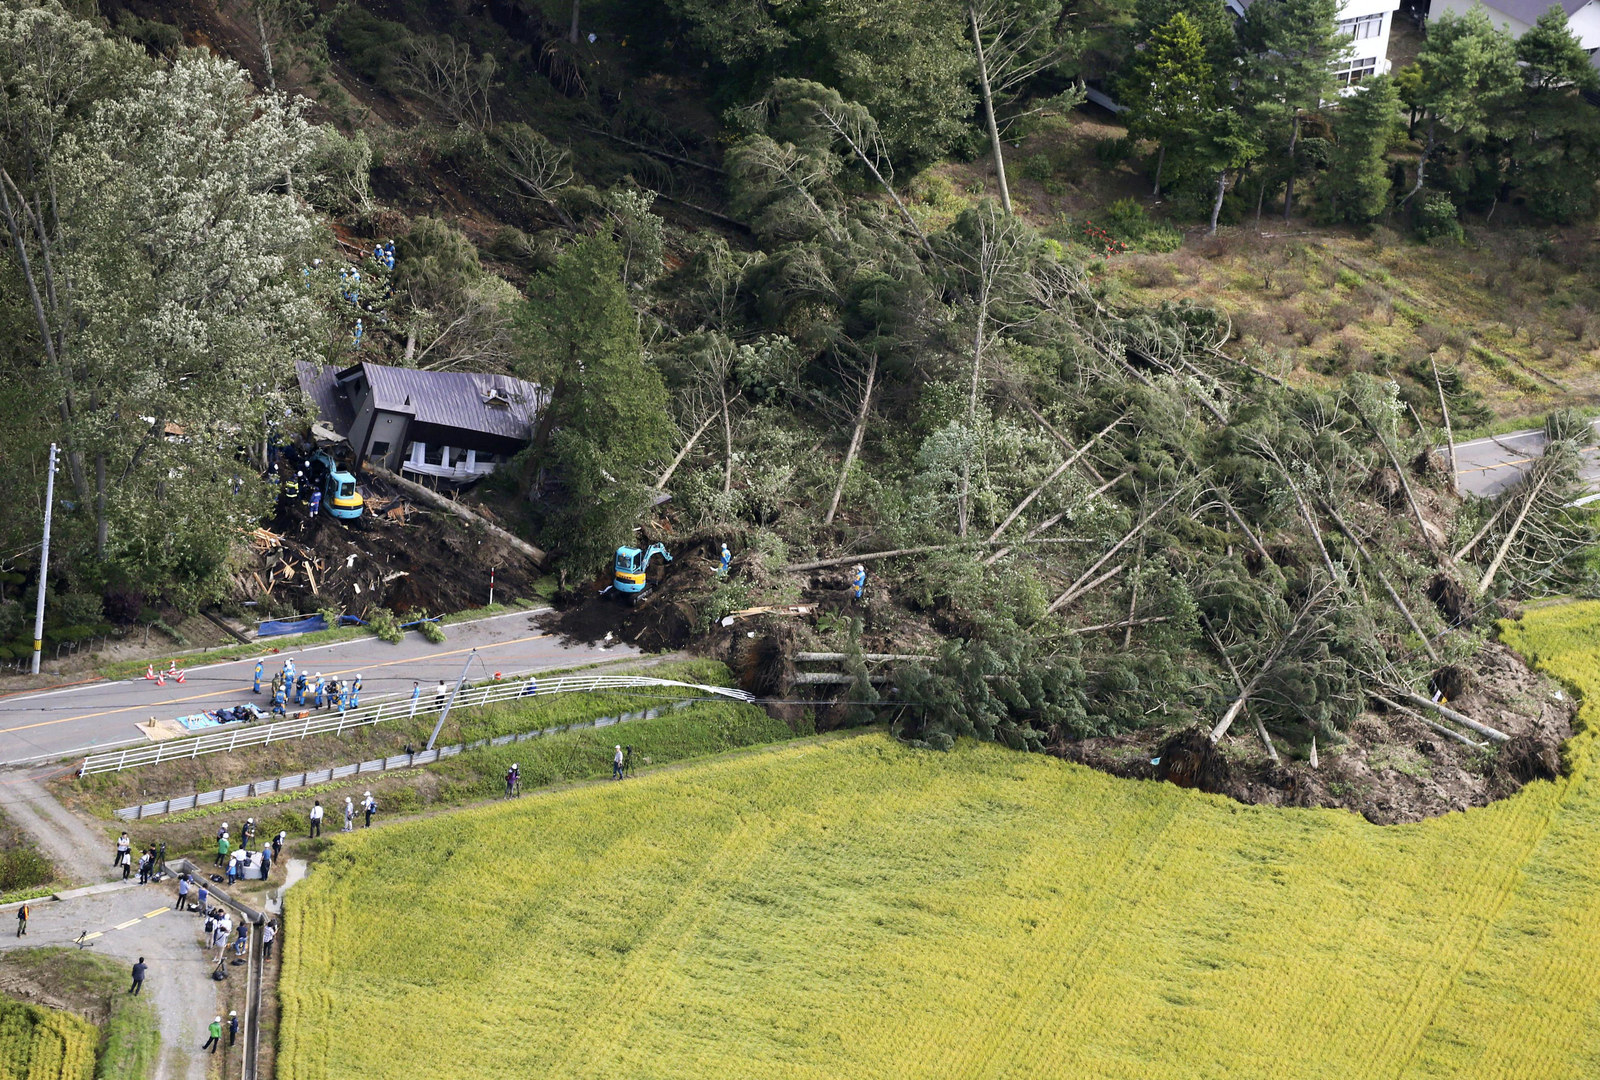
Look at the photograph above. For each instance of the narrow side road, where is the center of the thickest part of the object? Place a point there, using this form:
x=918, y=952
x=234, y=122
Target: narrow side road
x=79, y=854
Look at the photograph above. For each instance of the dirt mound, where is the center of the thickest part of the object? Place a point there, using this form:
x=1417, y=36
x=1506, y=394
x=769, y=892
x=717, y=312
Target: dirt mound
x=397, y=555
x=1391, y=767
x=665, y=620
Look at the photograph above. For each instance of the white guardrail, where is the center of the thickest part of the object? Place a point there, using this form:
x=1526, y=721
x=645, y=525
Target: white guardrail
x=237, y=736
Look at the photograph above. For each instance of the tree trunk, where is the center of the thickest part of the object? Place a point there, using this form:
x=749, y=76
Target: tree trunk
x=1288, y=187
x=661, y=481
x=1228, y=718
x=1161, y=163
x=1511, y=534
x=101, y=526
x=266, y=49
x=988, y=110
x=972, y=411
x=855, y=442
x=1422, y=162
x=572, y=35
x=727, y=442
x=1036, y=492
x=1216, y=205
x=1261, y=729
x=1444, y=410
x=1078, y=586
x=1450, y=714
x=1481, y=533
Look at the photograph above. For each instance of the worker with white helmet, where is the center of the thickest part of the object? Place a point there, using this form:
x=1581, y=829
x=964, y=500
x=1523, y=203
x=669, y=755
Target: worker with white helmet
x=616, y=765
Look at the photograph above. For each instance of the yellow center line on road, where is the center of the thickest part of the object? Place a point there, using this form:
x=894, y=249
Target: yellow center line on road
x=91, y=937
x=235, y=693
x=153, y=914
x=124, y=925
x=1492, y=468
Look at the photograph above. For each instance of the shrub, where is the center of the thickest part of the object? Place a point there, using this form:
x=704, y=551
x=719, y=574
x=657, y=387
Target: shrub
x=1037, y=167
x=429, y=629
x=1435, y=219
x=381, y=621
x=340, y=167
x=1113, y=151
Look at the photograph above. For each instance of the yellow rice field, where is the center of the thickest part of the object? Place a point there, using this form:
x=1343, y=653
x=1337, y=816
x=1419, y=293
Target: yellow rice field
x=43, y=1044
x=849, y=908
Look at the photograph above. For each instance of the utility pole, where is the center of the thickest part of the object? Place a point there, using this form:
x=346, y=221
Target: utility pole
x=491, y=586
x=444, y=712
x=44, y=560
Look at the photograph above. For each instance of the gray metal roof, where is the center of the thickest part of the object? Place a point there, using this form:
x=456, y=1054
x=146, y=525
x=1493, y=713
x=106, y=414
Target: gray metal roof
x=453, y=399
x=321, y=386
x=1528, y=11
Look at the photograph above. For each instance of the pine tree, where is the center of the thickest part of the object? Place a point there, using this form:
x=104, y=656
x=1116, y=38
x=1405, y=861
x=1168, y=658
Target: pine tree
x=1291, y=49
x=1555, y=150
x=1169, y=88
x=1356, y=188
x=606, y=418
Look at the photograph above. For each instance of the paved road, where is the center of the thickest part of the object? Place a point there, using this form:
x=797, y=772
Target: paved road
x=1486, y=467
x=75, y=720
x=137, y=922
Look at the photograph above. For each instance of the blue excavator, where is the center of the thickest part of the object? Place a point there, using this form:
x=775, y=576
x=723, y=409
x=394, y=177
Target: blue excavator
x=632, y=571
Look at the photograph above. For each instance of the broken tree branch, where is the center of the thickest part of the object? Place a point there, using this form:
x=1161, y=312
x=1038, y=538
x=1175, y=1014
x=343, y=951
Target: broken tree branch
x=855, y=441
x=1484, y=531
x=439, y=502
x=1076, y=586
x=1128, y=623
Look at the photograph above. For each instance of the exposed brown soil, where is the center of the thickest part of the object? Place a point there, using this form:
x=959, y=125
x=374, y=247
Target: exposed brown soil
x=397, y=555
x=1392, y=769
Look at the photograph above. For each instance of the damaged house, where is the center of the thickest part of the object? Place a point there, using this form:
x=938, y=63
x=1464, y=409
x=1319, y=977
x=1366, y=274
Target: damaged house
x=450, y=425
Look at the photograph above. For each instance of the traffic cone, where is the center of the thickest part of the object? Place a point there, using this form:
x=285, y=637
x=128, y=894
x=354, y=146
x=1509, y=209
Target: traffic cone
x=172, y=668
x=161, y=678
x=180, y=677
x=150, y=672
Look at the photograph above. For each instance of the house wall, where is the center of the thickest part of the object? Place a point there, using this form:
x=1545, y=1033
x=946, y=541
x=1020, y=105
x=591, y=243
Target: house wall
x=387, y=427
x=1585, y=22
x=361, y=398
x=1369, y=54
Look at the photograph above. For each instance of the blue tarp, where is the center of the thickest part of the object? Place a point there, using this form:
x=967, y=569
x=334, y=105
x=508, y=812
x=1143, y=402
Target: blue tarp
x=274, y=627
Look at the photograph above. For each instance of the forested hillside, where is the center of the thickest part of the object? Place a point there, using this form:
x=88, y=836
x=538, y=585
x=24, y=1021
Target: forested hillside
x=768, y=265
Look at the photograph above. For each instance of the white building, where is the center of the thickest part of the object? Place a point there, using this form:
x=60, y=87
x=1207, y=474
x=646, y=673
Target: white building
x=1368, y=23
x=1516, y=16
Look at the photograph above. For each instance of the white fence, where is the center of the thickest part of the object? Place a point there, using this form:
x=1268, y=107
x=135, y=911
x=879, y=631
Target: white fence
x=238, y=736
x=312, y=777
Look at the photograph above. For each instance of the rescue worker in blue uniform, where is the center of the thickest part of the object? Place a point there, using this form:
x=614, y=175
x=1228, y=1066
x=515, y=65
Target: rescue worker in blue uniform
x=256, y=688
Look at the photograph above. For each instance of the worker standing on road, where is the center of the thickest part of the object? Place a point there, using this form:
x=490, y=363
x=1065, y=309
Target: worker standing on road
x=138, y=977
x=22, y=921
x=355, y=684
x=321, y=691
x=316, y=820
x=256, y=687
x=727, y=560
x=278, y=702
x=183, y=893
x=288, y=668
x=355, y=693
x=439, y=695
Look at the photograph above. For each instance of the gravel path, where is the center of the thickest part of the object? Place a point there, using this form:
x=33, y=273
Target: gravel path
x=78, y=853
x=179, y=976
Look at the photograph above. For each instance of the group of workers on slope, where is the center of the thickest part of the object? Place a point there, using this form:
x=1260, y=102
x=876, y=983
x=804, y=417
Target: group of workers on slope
x=292, y=686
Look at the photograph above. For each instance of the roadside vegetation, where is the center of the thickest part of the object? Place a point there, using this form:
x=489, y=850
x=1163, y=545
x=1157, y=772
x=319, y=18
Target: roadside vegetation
x=79, y=1022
